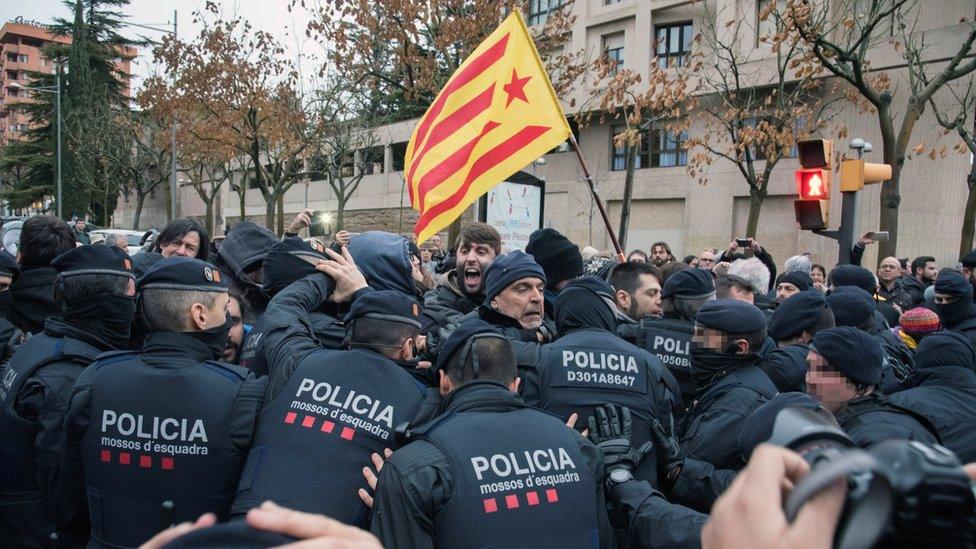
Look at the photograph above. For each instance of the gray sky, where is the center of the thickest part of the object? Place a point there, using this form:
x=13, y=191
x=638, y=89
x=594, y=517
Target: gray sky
x=269, y=15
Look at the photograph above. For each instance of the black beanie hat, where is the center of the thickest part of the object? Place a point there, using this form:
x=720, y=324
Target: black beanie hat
x=798, y=313
x=559, y=258
x=801, y=280
x=853, y=275
x=851, y=305
x=758, y=427
x=856, y=354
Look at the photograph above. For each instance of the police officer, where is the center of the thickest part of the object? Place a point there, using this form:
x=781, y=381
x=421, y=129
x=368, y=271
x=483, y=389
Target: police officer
x=162, y=435
x=96, y=290
x=288, y=261
x=669, y=338
x=852, y=306
x=844, y=369
x=332, y=410
x=792, y=326
x=531, y=483
x=589, y=366
x=729, y=383
x=854, y=275
x=943, y=389
x=954, y=304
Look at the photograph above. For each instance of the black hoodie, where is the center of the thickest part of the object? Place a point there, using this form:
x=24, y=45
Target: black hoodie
x=246, y=245
x=33, y=298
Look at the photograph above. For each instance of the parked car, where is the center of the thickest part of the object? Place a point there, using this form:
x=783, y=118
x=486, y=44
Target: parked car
x=134, y=239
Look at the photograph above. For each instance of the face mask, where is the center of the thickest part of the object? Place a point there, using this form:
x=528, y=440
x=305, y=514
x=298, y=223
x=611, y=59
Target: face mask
x=215, y=338
x=107, y=316
x=6, y=299
x=955, y=312
x=706, y=364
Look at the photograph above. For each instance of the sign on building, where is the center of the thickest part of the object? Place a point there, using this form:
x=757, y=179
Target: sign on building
x=515, y=208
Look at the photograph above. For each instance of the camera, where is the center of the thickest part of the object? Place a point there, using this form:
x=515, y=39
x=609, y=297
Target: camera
x=901, y=493
x=319, y=226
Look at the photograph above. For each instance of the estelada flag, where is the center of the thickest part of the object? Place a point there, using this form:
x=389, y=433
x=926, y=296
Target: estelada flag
x=496, y=114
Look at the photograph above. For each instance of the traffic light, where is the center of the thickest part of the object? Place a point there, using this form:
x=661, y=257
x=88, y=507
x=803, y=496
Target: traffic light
x=854, y=174
x=813, y=183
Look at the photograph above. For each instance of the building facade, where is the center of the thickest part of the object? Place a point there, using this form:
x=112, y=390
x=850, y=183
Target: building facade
x=668, y=204
x=21, y=51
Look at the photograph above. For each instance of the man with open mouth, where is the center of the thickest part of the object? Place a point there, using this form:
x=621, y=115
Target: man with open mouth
x=461, y=289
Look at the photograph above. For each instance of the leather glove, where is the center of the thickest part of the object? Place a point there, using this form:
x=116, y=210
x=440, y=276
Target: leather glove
x=670, y=458
x=610, y=430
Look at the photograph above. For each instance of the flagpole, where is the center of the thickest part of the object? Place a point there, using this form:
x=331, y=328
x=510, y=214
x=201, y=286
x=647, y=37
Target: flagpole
x=596, y=198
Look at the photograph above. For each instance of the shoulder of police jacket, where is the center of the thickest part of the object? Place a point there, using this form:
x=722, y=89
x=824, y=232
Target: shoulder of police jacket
x=231, y=371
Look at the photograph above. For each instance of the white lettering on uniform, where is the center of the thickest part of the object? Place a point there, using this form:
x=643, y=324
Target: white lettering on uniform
x=358, y=403
x=600, y=361
x=523, y=463
x=154, y=427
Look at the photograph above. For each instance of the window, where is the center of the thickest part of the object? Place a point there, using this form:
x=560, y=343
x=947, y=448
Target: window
x=659, y=148
x=22, y=58
x=618, y=155
x=12, y=75
x=673, y=44
x=12, y=57
x=399, y=151
x=667, y=149
x=769, y=26
x=613, y=47
x=608, y=2
x=372, y=160
x=539, y=10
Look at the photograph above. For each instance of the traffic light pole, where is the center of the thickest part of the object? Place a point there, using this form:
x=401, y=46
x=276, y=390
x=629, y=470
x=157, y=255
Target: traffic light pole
x=844, y=235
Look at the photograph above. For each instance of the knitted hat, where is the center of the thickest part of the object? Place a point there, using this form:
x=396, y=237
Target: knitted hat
x=559, y=258
x=508, y=268
x=919, y=321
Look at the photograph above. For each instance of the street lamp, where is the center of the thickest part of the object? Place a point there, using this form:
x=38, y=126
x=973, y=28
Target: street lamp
x=173, y=183
x=56, y=90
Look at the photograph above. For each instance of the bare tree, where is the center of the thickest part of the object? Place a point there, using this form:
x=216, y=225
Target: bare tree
x=838, y=38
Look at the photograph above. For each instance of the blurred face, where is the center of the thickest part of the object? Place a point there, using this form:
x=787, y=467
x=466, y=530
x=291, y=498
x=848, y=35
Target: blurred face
x=472, y=262
x=435, y=242
x=827, y=385
x=714, y=340
x=232, y=353
x=889, y=269
x=186, y=246
x=637, y=258
x=818, y=276
x=5, y=282
x=80, y=224
x=645, y=301
x=522, y=301
x=785, y=290
x=706, y=260
x=694, y=262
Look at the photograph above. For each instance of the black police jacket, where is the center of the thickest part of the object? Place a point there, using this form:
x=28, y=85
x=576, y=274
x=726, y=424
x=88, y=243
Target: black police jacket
x=163, y=425
x=335, y=410
x=328, y=331
x=650, y=520
x=873, y=418
x=787, y=367
x=531, y=483
x=946, y=396
x=588, y=368
x=289, y=327
x=967, y=328
x=670, y=340
x=34, y=392
x=715, y=418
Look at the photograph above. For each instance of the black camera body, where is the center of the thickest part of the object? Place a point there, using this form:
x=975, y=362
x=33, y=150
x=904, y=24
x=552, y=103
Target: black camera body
x=900, y=493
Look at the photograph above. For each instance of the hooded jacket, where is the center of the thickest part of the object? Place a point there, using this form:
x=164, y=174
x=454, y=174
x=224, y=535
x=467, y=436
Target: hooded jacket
x=384, y=260
x=943, y=389
x=33, y=298
x=245, y=245
x=446, y=304
x=915, y=290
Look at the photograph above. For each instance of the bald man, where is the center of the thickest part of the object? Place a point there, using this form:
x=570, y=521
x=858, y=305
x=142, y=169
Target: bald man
x=890, y=285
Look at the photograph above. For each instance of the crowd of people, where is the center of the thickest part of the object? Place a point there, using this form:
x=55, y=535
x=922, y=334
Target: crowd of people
x=256, y=390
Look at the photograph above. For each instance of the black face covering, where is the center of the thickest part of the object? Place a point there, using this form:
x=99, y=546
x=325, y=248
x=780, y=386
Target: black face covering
x=104, y=317
x=215, y=338
x=708, y=365
x=6, y=298
x=956, y=312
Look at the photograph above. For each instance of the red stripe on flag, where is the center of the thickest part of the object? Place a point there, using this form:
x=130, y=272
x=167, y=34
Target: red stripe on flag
x=485, y=162
x=467, y=74
x=450, y=165
x=451, y=123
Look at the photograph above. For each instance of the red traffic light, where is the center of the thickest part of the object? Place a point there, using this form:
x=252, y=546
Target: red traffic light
x=813, y=184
